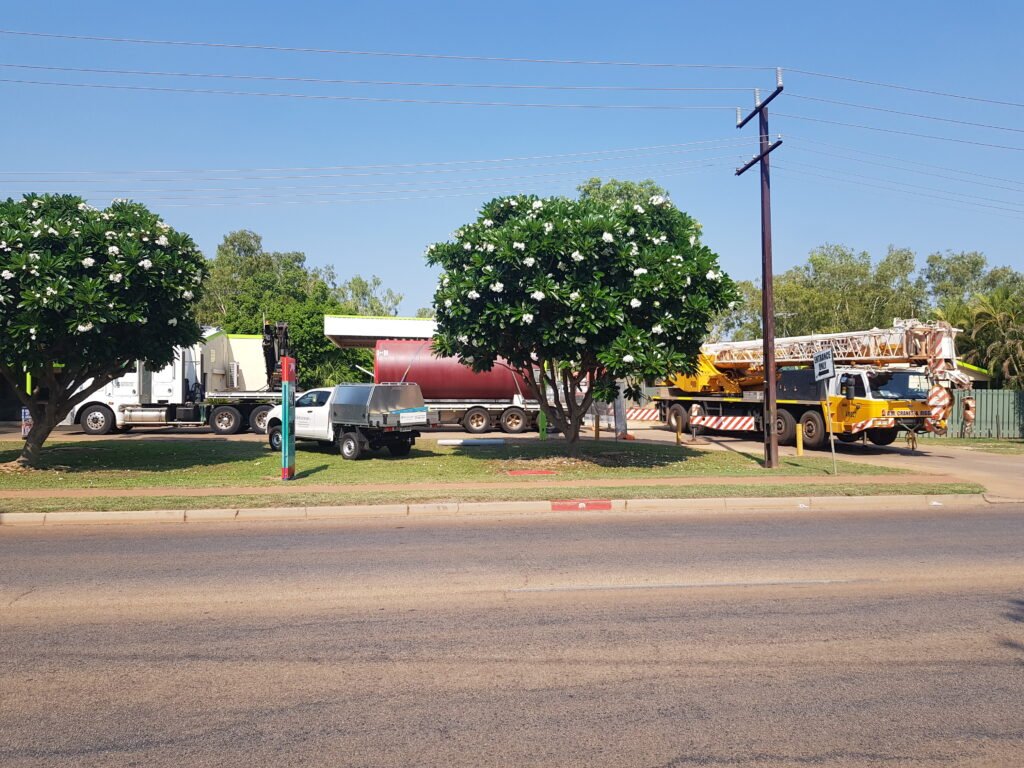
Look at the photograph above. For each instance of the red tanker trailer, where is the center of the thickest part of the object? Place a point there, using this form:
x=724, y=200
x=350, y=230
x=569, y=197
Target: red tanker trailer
x=455, y=393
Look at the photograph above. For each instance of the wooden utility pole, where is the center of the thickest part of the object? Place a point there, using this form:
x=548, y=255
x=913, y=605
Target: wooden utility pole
x=771, y=439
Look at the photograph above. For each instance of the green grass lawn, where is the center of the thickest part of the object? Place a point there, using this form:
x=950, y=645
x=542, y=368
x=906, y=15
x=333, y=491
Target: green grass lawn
x=314, y=499
x=185, y=463
x=1006, y=446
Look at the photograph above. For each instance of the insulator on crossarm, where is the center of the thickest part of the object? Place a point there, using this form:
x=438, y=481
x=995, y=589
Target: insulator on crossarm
x=739, y=117
x=757, y=97
x=778, y=77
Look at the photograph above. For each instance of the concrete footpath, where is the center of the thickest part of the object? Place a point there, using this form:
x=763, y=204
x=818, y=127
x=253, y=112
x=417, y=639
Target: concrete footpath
x=723, y=506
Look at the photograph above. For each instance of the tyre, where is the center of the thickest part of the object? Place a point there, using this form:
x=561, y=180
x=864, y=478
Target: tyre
x=349, y=446
x=677, y=414
x=258, y=419
x=813, y=425
x=785, y=427
x=226, y=420
x=477, y=421
x=847, y=437
x=883, y=436
x=97, y=420
x=274, y=438
x=514, y=421
x=399, y=450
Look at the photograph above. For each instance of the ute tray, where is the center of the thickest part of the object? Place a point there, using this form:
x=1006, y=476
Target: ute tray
x=380, y=405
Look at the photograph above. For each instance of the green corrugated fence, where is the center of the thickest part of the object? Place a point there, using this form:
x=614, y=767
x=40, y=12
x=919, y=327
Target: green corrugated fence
x=999, y=413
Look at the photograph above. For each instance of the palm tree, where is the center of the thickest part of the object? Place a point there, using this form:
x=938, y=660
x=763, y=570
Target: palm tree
x=998, y=325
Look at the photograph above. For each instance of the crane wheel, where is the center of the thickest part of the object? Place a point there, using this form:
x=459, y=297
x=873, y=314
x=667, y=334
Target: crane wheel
x=785, y=428
x=813, y=425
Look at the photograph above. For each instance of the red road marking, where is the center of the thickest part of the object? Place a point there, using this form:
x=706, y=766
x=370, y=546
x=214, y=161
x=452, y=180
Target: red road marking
x=577, y=505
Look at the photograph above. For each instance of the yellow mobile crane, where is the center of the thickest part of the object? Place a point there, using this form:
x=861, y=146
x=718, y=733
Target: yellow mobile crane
x=887, y=381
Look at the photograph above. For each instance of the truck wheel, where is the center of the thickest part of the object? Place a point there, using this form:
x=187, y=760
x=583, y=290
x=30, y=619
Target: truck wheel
x=514, y=421
x=97, y=420
x=677, y=415
x=847, y=437
x=476, y=421
x=785, y=427
x=226, y=420
x=274, y=438
x=400, y=449
x=349, y=446
x=258, y=419
x=813, y=425
x=883, y=436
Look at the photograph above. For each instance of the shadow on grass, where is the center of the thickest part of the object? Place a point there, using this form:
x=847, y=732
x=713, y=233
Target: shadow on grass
x=148, y=456
x=587, y=455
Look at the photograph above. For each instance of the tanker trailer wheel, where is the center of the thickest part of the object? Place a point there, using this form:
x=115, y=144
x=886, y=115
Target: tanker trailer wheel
x=225, y=420
x=514, y=421
x=813, y=425
x=785, y=427
x=677, y=415
x=349, y=446
x=477, y=421
x=258, y=419
x=274, y=437
x=97, y=420
x=883, y=436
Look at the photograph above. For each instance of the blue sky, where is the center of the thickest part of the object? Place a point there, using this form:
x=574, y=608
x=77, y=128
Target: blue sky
x=924, y=194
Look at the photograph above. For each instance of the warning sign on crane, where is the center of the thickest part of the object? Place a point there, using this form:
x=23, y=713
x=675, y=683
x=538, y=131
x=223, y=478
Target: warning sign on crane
x=824, y=365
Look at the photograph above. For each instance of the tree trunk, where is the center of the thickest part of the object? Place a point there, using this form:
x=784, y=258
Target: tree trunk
x=33, y=448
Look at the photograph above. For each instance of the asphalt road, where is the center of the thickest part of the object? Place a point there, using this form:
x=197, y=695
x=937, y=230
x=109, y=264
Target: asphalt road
x=872, y=638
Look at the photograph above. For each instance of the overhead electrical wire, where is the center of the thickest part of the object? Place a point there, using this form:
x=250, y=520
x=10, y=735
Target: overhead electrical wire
x=394, y=54
x=405, y=83
x=909, y=88
x=905, y=114
x=511, y=159
x=556, y=174
x=371, y=99
x=786, y=169
x=902, y=133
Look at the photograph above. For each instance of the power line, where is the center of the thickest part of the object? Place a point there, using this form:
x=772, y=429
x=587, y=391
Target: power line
x=394, y=54
x=413, y=84
x=905, y=88
x=556, y=174
x=905, y=170
x=902, y=133
x=372, y=99
x=803, y=139
x=902, y=191
x=906, y=114
x=444, y=166
x=907, y=184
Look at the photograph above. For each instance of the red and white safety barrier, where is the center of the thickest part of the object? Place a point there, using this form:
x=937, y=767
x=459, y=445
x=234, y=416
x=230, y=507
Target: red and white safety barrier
x=725, y=423
x=642, y=414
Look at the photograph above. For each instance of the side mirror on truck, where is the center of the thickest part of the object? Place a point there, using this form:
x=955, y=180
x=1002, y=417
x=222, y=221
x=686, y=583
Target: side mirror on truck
x=849, y=389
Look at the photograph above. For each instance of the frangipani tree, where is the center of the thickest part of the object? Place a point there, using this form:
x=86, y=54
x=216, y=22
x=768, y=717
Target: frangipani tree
x=577, y=294
x=84, y=293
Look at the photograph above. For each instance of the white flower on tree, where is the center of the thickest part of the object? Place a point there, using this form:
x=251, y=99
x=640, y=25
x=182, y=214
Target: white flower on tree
x=577, y=256
x=548, y=226
x=527, y=319
x=116, y=277
x=187, y=295
x=173, y=321
x=639, y=271
x=473, y=295
x=113, y=250
x=88, y=261
x=519, y=246
x=162, y=240
x=574, y=296
x=497, y=287
x=580, y=340
x=537, y=205
x=657, y=200
x=146, y=264
x=84, y=327
x=537, y=295
x=6, y=274
x=638, y=208
x=487, y=223
x=628, y=358
x=657, y=329
x=608, y=237
x=635, y=303
x=529, y=261
x=467, y=246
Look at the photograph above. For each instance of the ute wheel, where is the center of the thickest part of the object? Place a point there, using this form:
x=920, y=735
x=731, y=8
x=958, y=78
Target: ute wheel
x=98, y=420
x=274, y=438
x=813, y=426
x=258, y=419
x=226, y=420
x=399, y=450
x=349, y=446
x=677, y=415
x=785, y=427
x=514, y=421
x=476, y=421
x=883, y=436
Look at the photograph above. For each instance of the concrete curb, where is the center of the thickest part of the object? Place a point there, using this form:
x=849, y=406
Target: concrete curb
x=505, y=508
